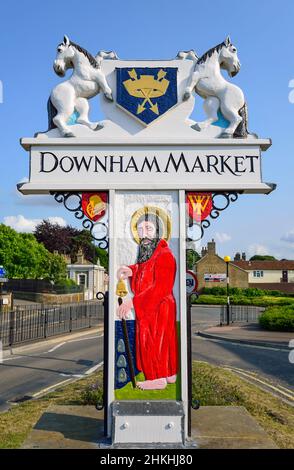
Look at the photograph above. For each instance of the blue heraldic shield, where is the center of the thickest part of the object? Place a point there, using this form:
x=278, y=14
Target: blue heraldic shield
x=147, y=93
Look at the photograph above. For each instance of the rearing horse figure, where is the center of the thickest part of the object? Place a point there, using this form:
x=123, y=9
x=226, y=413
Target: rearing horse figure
x=72, y=95
x=218, y=93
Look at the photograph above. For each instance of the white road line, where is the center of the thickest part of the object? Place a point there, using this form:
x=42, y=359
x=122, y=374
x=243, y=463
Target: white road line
x=90, y=371
x=56, y=347
x=48, y=389
x=289, y=395
x=72, y=341
x=11, y=358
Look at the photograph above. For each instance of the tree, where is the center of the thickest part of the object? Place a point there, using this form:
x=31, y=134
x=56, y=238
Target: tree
x=69, y=240
x=24, y=258
x=262, y=258
x=192, y=258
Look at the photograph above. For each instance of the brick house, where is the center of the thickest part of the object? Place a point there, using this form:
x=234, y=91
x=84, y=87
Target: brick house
x=211, y=270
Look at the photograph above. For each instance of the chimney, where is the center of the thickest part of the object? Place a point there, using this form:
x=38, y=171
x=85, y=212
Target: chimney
x=244, y=256
x=203, y=252
x=237, y=257
x=80, y=257
x=211, y=247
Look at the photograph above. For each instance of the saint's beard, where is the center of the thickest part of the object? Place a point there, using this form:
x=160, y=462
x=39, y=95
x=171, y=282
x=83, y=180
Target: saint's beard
x=146, y=250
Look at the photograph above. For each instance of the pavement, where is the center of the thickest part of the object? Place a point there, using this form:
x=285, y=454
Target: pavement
x=81, y=427
x=249, y=333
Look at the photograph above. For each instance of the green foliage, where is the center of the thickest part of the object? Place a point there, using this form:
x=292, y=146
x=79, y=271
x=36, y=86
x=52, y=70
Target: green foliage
x=249, y=292
x=92, y=395
x=260, y=301
x=24, y=258
x=69, y=240
x=192, y=258
x=278, y=318
x=262, y=258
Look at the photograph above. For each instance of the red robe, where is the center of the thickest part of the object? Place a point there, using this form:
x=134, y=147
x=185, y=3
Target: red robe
x=155, y=306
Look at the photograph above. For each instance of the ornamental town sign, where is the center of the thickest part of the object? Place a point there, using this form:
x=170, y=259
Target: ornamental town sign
x=143, y=180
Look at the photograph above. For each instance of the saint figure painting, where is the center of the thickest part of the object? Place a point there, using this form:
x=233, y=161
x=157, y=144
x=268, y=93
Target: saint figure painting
x=151, y=281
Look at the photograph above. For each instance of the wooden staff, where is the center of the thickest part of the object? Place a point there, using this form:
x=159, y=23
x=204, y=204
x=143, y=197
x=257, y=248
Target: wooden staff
x=128, y=348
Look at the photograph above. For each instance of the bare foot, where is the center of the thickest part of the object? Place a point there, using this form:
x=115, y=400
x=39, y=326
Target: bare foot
x=157, y=384
x=172, y=379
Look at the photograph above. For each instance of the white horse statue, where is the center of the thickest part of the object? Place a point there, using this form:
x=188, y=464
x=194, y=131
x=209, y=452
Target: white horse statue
x=72, y=95
x=218, y=93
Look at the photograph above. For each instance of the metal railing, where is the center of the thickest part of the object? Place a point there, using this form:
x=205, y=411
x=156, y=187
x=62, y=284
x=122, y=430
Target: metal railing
x=240, y=313
x=20, y=326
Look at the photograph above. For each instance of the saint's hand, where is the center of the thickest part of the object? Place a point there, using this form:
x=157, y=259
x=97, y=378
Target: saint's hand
x=124, y=272
x=124, y=309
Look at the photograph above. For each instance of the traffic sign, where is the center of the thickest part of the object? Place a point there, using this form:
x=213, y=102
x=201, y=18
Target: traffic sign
x=191, y=282
x=2, y=271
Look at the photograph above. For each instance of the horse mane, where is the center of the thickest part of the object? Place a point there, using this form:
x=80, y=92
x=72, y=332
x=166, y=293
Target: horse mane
x=87, y=54
x=209, y=53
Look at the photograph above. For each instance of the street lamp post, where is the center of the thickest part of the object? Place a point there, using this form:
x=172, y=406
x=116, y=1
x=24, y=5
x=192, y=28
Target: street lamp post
x=227, y=259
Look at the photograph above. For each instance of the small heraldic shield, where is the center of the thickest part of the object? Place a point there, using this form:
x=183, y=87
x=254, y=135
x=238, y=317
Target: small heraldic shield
x=147, y=92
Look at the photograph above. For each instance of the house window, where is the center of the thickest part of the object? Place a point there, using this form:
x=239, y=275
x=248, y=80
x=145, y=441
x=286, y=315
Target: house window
x=257, y=273
x=82, y=280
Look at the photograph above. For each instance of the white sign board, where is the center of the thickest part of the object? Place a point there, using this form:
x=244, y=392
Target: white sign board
x=215, y=277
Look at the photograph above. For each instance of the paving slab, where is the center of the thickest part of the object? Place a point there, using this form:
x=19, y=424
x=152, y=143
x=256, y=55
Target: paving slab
x=81, y=427
x=228, y=427
x=67, y=427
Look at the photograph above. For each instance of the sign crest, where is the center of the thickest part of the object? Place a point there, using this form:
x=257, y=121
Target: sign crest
x=147, y=92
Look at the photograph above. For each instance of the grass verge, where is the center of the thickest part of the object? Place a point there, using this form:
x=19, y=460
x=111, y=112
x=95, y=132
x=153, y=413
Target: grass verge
x=212, y=386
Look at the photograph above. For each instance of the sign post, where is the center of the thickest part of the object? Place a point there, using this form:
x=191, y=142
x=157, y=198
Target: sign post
x=142, y=181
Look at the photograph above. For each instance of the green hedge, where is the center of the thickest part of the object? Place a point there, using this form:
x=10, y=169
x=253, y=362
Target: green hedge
x=249, y=292
x=278, y=318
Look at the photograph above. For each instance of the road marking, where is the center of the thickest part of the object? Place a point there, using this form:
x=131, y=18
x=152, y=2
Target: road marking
x=247, y=374
x=90, y=371
x=48, y=389
x=72, y=341
x=11, y=358
x=56, y=347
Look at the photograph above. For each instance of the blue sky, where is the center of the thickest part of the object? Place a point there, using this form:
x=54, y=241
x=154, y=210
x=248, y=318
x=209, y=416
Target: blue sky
x=263, y=32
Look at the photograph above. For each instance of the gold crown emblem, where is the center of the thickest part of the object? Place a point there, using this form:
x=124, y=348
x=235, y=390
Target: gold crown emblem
x=146, y=87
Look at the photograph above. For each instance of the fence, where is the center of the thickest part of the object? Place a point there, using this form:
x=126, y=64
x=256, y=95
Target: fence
x=20, y=326
x=240, y=313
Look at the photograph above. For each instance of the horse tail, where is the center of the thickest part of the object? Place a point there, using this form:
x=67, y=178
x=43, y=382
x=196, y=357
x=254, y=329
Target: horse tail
x=242, y=129
x=52, y=112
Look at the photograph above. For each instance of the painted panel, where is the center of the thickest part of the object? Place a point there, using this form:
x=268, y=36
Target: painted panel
x=147, y=296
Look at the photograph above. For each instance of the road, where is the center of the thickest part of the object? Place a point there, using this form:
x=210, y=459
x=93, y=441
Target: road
x=271, y=364
x=46, y=364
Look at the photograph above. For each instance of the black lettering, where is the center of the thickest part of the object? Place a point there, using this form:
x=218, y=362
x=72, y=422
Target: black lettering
x=62, y=165
x=251, y=157
x=83, y=162
x=102, y=165
x=177, y=165
x=224, y=164
x=239, y=161
x=197, y=164
x=210, y=164
x=131, y=165
x=113, y=162
x=42, y=170
x=150, y=165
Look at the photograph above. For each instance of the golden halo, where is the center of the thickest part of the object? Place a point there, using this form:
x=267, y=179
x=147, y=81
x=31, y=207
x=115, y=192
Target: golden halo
x=161, y=213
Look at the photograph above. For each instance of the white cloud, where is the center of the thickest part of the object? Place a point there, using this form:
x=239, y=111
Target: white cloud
x=222, y=237
x=21, y=224
x=257, y=249
x=288, y=237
